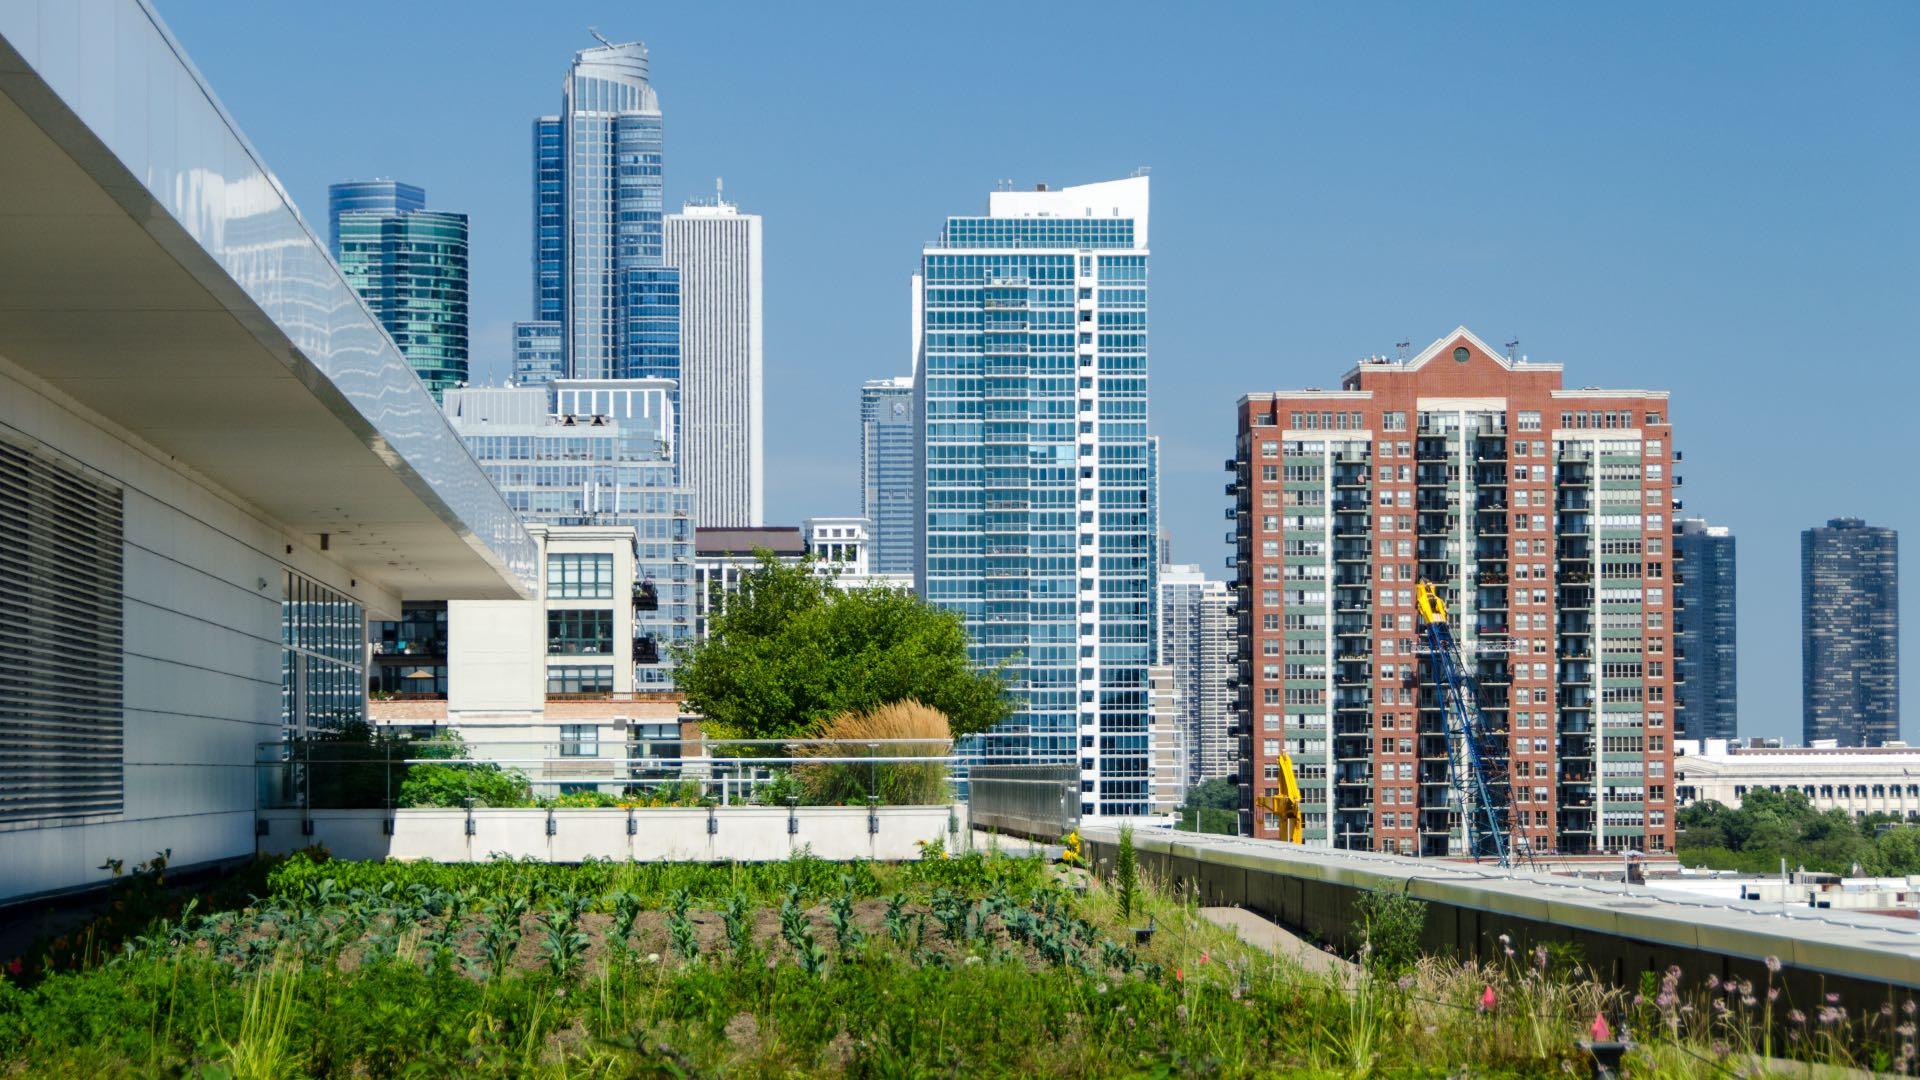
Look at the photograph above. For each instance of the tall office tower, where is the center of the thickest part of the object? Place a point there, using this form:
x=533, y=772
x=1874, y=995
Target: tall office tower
x=539, y=353
x=1195, y=631
x=1705, y=688
x=368, y=196
x=598, y=207
x=1541, y=516
x=1850, y=633
x=549, y=222
x=409, y=265
x=1035, y=507
x=888, y=491
x=596, y=452
x=717, y=251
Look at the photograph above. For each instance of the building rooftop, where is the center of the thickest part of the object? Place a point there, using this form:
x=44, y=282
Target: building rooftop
x=781, y=540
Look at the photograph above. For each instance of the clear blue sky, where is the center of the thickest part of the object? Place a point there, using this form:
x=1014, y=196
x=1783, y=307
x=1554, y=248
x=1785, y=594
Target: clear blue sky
x=1719, y=200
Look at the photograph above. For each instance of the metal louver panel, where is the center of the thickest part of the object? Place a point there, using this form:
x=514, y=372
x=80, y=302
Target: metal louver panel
x=61, y=681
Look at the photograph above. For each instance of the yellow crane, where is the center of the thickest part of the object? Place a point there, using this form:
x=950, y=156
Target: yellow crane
x=1286, y=805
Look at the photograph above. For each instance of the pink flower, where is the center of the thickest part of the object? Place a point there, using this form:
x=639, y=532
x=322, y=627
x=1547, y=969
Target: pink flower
x=1487, y=1000
x=1179, y=976
x=1600, y=1030
x=13, y=966
x=1203, y=956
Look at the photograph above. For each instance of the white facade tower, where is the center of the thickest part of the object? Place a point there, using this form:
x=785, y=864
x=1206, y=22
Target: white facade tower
x=718, y=252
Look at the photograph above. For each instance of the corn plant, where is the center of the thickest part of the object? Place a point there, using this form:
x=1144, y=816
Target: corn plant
x=563, y=943
x=897, y=923
x=681, y=938
x=846, y=933
x=737, y=915
x=626, y=911
x=500, y=935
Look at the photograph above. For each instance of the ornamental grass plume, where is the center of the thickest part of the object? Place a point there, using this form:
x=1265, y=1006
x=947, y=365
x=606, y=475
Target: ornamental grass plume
x=916, y=783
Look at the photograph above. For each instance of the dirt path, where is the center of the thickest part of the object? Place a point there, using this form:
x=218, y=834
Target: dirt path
x=1268, y=937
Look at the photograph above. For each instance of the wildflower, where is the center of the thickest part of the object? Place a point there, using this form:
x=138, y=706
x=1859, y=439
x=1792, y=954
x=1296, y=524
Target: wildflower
x=1487, y=1000
x=1204, y=956
x=1773, y=993
x=1833, y=999
x=653, y=958
x=1713, y=982
x=1600, y=1030
x=1907, y=1006
x=1179, y=975
x=1180, y=1014
x=972, y=960
x=1719, y=1049
x=1406, y=982
x=1904, y=1030
x=1795, y=1016
x=1101, y=989
x=1747, y=1000
x=1886, y=1008
x=1505, y=940
x=1540, y=957
x=1719, y=1006
x=1773, y=965
x=1830, y=1015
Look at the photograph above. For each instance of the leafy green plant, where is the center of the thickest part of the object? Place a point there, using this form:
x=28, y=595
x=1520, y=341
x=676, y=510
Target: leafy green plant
x=846, y=932
x=737, y=916
x=562, y=944
x=1391, y=924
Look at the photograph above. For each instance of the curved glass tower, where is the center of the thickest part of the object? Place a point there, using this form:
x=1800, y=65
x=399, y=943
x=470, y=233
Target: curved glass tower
x=410, y=266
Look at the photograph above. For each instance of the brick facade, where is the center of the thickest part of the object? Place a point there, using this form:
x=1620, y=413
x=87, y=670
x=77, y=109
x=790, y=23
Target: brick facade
x=1542, y=514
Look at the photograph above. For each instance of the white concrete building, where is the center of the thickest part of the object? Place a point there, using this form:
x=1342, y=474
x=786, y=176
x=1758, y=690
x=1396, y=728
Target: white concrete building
x=718, y=251
x=1196, y=638
x=548, y=685
x=214, y=463
x=1857, y=779
x=1167, y=742
x=845, y=545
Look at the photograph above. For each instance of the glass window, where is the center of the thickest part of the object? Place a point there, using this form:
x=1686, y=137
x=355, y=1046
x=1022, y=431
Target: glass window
x=580, y=680
x=579, y=740
x=580, y=633
x=580, y=577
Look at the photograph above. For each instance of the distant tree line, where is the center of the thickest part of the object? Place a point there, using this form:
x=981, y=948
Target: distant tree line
x=1771, y=825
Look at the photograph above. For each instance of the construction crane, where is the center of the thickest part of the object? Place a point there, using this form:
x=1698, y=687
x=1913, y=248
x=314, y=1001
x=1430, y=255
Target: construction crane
x=1286, y=805
x=1476, y=756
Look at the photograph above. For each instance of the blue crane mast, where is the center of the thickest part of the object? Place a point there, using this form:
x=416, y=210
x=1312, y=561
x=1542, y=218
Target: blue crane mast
x=1476, y=755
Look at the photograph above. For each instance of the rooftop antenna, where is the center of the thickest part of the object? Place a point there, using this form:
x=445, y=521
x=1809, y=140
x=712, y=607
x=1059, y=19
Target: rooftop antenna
x=599, y=37
x=1401, y=347
x=1510, y=347
x=719, y=191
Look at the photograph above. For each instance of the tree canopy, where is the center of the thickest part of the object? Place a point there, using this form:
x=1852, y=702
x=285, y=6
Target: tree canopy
x=790, y=650
x=1771, y=825
x=1218, y=793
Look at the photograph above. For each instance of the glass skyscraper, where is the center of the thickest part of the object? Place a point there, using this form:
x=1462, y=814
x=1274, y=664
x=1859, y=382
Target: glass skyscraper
x=596, y=452
x=1706, y=689
x=1035, y=517
x=369, y=196
x=539, y=352
x=409, y=264
x=598, y=204
x=887, y=489
x=1850, y=633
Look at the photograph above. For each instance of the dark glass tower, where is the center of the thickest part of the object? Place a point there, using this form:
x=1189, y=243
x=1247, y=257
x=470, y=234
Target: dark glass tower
x=1850, y=633
x=887, y=482
x=370, y=196
x=411, y=269
x=1705, y=664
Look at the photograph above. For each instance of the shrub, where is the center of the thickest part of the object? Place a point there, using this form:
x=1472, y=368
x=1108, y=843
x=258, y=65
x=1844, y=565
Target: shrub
x=453, y=785
x=919, y=783
x=1126, y=873
x=1391, y=924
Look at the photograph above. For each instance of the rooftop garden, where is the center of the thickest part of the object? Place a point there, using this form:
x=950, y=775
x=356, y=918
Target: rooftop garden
x=975, y=965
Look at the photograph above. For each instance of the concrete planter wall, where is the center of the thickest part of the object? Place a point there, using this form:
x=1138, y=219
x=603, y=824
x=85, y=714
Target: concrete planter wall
x=720, y=834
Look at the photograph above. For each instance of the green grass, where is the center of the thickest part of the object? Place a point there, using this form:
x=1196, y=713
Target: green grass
x=969, y=966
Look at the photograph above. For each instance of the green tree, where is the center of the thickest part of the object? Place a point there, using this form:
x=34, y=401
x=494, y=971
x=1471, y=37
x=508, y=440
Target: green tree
x=790, y=650
x=1216, y=794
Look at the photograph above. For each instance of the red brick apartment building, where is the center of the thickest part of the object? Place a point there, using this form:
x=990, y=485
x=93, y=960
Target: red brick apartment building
x=1543, y=516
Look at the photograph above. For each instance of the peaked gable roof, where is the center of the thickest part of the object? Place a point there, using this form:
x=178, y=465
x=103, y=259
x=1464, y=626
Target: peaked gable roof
x=1443, y=344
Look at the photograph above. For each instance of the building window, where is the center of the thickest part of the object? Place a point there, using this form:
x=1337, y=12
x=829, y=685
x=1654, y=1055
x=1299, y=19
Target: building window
x=580, y=577
x=61, y=559
x=580, y=680
x=579, y=740
x=580, y=633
